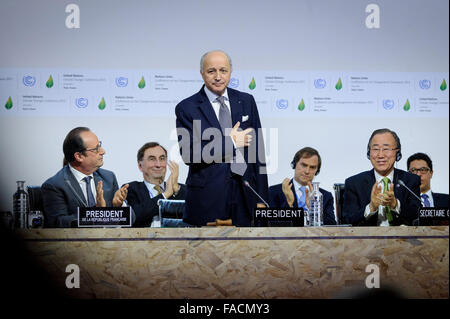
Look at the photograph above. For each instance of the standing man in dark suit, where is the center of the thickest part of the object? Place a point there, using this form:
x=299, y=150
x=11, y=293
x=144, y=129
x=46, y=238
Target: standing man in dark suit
x=144, y=196
x=422, y=165
x=295, y=192
x=81, y=182
x=220, y=142
x=370, y=198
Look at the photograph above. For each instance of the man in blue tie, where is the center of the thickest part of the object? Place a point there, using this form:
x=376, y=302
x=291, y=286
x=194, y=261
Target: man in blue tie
x=422, y=165
x=295, y=192
x=81, y=182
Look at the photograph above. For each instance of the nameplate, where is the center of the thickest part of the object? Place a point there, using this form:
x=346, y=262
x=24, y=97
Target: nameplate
x=279, y=217
x=104, y=217
x=429, y=216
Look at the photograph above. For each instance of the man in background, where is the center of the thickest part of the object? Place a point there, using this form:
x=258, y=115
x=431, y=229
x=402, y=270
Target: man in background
x=370, y=198
x=295, y=192
x=421, y=164
x=81, y=182
x=143, y=196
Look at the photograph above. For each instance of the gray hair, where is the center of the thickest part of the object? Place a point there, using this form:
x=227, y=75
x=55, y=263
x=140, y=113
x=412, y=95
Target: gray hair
x=202, y=60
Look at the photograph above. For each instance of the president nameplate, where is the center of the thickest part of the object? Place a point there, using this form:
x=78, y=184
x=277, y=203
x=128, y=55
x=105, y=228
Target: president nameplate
x=279, y=217
x=104, y=217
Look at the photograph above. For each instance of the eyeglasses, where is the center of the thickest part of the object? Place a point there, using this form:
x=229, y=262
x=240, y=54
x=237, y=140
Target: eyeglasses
x=422, y=170
x=386, y=151
x=95, y=149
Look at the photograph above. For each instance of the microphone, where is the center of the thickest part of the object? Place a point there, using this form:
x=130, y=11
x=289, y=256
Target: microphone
x=248, y=185
x=404, y=185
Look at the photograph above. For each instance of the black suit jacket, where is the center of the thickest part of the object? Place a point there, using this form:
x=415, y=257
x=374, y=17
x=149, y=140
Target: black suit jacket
x=144, y=206
x=357, y=196
x=62, y=195
x=207, y=180
x=440, y=200
x=278, y=199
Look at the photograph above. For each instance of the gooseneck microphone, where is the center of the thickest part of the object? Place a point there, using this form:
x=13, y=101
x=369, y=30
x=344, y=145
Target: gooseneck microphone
x=404, y=185
x=247, y=184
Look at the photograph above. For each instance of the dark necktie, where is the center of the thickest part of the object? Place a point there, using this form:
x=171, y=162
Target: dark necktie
x=90, y=196
x=387, y=210
x=426, y=202
x=238, y=166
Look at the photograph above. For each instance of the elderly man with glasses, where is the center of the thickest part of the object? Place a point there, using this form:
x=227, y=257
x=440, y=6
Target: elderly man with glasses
x=81, y=182
x=376, y=197
x=422, y=165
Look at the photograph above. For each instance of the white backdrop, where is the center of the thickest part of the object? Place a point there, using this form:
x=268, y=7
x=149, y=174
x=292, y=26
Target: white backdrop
x=303, y=36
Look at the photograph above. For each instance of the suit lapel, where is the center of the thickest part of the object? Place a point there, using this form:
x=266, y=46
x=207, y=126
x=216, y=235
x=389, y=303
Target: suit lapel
x=236, y=106
x=143, y=190
x=206, y=108
x=74, y=186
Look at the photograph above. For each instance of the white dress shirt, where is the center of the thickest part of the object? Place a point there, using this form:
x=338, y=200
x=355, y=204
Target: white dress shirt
x=382, y=219
x=212, y=97
x=79, y=177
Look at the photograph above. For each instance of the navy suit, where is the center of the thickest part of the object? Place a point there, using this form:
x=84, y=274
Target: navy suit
x=62, y=195
x=144, y=206
x=440, y=200
x=278, y=199
x=357, y=196
x=212, y=190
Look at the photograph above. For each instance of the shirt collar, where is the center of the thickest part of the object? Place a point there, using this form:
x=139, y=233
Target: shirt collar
x=152, y=186
x=297, y=185
x=79, y=175
x=430, y=195
x=213, y=96
x=378, y=177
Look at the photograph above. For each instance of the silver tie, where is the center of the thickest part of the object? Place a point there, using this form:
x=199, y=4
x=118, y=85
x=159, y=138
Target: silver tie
x=238, y=166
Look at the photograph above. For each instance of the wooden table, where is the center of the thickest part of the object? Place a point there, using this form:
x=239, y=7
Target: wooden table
x=230, y=262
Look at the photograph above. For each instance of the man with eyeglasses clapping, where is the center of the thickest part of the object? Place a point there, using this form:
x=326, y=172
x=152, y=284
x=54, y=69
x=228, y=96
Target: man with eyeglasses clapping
x=422, y=165
x=377, y=197
x=81, y=182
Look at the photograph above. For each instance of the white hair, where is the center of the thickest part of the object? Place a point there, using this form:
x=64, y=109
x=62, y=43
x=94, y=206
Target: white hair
x=202, y=60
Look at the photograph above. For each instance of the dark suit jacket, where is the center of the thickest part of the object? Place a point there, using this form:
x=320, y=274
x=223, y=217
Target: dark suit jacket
x=62, y=195
x=143, y=205
x=440, y=200
x=278, y=199
x=357, y=196
x=206, y=181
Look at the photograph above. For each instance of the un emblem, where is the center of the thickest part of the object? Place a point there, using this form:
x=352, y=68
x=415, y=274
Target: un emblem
x=425, y=84
x=29, y=80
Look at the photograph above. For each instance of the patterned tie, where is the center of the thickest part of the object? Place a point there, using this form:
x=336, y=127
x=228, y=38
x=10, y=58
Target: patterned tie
x=387, y=210
x=225, y=122
x=90, y=196
x=158, y=189
x=302, y=199
x=426, y=202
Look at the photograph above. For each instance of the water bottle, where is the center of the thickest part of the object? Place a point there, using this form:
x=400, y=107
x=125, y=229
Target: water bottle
x=20, y=206
x=315, y=213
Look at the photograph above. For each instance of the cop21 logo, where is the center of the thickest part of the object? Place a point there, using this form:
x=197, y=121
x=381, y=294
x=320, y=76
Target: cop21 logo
x=81, y=102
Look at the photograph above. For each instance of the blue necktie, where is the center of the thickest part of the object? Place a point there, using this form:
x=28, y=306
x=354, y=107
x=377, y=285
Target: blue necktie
x=302, y=199
x=90, y=196
x=426, y=202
